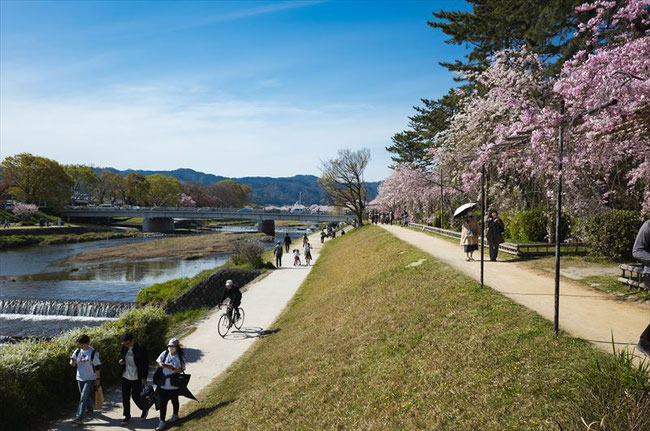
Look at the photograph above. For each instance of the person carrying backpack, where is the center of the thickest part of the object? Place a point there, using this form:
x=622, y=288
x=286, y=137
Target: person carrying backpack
x=86, y=360
x=171, y=361
x=135, y=367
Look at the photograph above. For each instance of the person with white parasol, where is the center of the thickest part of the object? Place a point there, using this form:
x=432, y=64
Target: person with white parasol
x=469, y=231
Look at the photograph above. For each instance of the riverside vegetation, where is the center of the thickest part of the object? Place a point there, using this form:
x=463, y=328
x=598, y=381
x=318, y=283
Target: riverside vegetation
x=369, y=342
x=37, y=382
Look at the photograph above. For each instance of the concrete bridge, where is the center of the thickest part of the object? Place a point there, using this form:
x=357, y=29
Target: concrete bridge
x=161, y=219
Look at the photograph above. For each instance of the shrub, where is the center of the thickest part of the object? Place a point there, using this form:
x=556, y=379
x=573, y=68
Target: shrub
x=247, y=252
x=611, y=234
x=529, y=225
x=37, y=380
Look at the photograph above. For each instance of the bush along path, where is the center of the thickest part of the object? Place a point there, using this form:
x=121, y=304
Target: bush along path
x=585, y=313
x=381, y=336
x=208, y=355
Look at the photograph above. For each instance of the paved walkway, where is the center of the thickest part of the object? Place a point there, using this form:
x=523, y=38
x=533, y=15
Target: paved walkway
x=584, y=312
x=208, y=355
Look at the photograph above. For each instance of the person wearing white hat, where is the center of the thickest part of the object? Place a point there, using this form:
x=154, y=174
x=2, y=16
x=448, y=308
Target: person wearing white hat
x=233, y=293
x=171, y=361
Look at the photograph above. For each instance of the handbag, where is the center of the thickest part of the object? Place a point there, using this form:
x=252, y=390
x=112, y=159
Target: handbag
x=99, y=397
x=147, y=397
x=158, y=377
x=180, y=380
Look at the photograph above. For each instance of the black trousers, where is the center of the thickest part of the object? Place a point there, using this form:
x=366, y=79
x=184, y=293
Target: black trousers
x=166, y=395
x=278, y=261
x=494, y=251
x=131, y=388
x=286, y=246
x=644, y=340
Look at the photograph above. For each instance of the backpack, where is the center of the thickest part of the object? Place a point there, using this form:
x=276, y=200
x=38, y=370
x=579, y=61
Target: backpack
x=92, y=357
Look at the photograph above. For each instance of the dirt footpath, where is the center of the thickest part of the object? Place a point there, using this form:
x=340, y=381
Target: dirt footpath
x=584, y=313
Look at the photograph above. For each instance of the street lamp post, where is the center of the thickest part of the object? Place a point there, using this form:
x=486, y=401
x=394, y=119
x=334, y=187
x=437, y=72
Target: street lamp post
x=558, y=208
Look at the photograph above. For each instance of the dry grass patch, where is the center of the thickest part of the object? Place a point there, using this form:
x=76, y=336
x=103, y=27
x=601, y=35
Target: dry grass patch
x=369, y=343
x=183, y=247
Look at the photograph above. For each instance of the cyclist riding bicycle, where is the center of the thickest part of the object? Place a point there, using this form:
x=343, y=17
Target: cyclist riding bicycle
x=233, y=293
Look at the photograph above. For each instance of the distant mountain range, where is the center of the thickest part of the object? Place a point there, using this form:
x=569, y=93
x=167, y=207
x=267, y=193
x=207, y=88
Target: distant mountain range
x=266, y=190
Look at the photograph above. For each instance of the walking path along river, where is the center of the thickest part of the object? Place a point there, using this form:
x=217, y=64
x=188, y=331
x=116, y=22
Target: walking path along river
x=208, y=355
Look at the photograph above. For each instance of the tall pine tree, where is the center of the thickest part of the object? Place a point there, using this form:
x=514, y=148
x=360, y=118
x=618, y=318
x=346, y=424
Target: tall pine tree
x=545, y=27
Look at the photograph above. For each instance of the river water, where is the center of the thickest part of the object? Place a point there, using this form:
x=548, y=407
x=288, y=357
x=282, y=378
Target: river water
x=43, y=291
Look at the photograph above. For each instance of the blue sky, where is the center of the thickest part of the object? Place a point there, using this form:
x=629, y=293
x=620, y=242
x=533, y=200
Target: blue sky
x=230, y=88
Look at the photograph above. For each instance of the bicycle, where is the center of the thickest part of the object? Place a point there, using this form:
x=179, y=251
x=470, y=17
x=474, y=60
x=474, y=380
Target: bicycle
x=227, y=320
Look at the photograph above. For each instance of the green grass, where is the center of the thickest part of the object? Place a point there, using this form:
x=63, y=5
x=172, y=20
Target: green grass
x=369, y=343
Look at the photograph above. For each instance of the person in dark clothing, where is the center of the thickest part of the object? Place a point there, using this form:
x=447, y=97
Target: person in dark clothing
x=233, y=293
x=641, y=251
x=494, y=235
x=135, y=367
x=287, y=242
x=277, y=252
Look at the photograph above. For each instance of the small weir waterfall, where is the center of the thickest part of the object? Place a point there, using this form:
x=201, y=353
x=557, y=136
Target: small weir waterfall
x=64, y=308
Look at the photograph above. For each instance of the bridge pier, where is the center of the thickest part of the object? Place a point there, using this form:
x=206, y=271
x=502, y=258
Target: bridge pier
x=160, y=225
x=266, y=226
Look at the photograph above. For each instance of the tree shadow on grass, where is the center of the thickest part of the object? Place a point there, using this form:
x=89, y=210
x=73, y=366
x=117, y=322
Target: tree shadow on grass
x=203, y=412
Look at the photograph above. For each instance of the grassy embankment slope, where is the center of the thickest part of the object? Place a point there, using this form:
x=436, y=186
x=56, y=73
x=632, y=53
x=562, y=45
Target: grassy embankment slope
x=370, y=342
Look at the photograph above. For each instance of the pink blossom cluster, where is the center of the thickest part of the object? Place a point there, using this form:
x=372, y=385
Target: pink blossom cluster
x=24, y=211
x=603, y=149
x=187, y=201
x=408, y=189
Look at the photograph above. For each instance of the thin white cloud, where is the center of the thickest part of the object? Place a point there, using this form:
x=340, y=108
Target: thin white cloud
x=164, y=128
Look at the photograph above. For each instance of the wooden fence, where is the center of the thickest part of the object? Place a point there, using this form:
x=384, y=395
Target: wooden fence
x=522, y=250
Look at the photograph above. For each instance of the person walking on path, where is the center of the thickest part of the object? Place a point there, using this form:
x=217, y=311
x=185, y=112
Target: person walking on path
x=88, y=364
x=323, y=234
x=308, y=253
x=287, y=242
x=641, y=251
x=277, y=252
x=469, y=237
x=494, y=235
x=171, y=361
x=305, y=240
x=135, y=367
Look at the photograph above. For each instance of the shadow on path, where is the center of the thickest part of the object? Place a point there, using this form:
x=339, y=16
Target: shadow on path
x=192, y=355
x=250, y=332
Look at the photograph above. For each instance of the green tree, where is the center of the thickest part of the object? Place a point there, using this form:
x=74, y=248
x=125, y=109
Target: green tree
x=412, y=146
x=85, y=179
x=37, y=180
x=231, y=194
x=111, y=187
x=545, y=27
x=137, y=189
x=164, y=190
x=342, y=180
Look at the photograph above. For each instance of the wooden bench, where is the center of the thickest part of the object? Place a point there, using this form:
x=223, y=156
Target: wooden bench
x=632, y=275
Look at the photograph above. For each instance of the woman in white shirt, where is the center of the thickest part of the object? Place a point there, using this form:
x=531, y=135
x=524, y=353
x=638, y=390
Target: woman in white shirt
x=171, y=361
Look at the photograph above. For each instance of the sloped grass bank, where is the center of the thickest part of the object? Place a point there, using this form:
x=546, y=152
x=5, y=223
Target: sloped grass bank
x=371, y=343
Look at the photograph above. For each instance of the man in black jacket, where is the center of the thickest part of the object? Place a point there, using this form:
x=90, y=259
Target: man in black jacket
x=641, y=251
x=233, y=293
x=135, y=367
